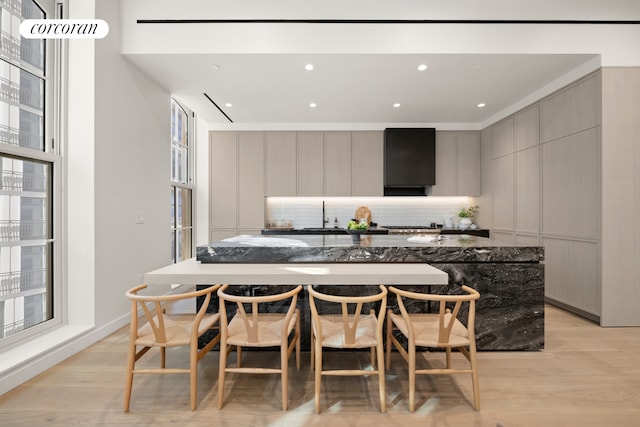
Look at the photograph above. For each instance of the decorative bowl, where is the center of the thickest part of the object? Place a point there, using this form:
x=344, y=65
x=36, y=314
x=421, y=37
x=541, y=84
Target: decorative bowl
x=357, y=231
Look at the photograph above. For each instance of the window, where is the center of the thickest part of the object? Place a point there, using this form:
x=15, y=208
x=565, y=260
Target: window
x=181, y=179
x=27, y=169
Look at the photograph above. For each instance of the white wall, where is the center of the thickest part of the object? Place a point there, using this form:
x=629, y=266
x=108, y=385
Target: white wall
x=132, y=173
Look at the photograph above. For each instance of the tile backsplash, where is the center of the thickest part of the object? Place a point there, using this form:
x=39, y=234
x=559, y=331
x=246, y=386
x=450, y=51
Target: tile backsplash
x=303, y=212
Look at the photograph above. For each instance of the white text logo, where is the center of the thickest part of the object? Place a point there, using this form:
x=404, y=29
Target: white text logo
x=64, y=29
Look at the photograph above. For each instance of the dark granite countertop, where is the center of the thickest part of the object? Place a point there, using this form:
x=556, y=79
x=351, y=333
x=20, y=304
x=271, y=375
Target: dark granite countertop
x=370, y=248
x=481, y=232
x=328, y=230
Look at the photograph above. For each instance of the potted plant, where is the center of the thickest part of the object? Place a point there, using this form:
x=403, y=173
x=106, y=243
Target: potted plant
x=466, y=214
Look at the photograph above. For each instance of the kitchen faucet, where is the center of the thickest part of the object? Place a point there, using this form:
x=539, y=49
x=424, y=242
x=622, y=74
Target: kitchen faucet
x=325, y=220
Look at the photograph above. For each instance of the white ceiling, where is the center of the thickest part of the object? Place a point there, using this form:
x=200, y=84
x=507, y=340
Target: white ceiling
x=272, y=89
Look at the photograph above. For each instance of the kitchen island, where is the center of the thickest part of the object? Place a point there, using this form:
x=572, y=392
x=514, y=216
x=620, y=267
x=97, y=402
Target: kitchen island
x=510, y=278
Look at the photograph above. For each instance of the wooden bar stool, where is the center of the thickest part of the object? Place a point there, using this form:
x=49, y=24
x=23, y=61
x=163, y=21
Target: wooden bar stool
x=348, y=330
x=163, y=330
x=256, y=329
x=442, y=330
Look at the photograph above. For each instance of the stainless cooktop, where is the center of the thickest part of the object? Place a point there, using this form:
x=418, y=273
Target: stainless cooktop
x=411, y=229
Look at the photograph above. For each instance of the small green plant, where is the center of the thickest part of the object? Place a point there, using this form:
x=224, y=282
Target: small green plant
x=468, y=212
x=352, y=225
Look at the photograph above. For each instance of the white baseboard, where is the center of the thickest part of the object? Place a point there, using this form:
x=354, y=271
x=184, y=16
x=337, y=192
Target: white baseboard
x=23, y=362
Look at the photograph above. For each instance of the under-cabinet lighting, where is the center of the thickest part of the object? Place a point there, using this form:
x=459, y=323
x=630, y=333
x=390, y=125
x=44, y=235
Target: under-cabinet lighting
x=352, y=201
x=422, y=67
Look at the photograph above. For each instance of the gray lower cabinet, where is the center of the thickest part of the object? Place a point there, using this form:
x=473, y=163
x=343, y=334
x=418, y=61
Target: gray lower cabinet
x=572, y=269
x=217, y=234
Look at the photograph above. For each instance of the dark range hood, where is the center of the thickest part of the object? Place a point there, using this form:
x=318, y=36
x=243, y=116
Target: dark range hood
x=409, y=161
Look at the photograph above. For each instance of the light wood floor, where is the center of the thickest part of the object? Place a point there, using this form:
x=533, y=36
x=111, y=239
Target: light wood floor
x=585, y=376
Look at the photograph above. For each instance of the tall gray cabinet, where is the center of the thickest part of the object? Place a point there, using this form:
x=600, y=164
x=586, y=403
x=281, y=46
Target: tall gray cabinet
x=571, y=197
x=545, y=186
x=236, y=183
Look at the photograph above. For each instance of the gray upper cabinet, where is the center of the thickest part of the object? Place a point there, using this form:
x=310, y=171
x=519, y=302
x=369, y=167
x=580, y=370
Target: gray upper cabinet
x=503, y=175
x=223, y=175
x=446, y=152
x=468, y=164
x=367, y=163
x=572, y=109
x=502, y=182
x=527, y=128
x=236, y=185
x=337, y=170
x=281, y=162
x=310, y=164
x=457, y=163
x=250, y=180
x=502, y=138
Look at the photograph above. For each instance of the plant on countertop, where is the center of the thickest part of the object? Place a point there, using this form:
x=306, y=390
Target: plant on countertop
x=468, y=212
x=352, y=225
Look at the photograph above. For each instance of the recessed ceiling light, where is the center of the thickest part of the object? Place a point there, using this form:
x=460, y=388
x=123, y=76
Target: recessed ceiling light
x=308, y=67
x=396, y=105
x=481, y=105
x=312, y=105
x=228, y=104
x=215, y=67
x=422, y=67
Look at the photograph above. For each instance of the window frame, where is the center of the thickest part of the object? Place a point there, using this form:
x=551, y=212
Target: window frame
x=53, y=72
x=189, y=185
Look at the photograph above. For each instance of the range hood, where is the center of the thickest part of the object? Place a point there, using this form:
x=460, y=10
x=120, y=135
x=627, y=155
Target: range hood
x=409, y=161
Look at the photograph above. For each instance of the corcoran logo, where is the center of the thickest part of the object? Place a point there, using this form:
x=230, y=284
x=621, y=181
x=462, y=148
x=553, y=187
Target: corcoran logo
x=64, y=29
